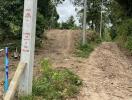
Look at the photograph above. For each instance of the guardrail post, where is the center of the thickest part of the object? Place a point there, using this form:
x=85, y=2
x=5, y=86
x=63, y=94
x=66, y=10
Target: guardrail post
x=28, y=45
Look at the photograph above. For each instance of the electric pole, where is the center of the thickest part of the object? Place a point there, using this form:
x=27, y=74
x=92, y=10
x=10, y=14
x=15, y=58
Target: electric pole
x=101, y=18
x=52, y=17
x=28, y=46
x=84, y=23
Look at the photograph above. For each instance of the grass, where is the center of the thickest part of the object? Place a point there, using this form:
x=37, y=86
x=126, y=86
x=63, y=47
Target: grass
x=93, y=40
x=54, y=84
x=84, y=50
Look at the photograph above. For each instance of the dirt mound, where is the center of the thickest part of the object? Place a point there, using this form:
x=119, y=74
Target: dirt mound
x=59, y=44
x=107, y=75
x=61, y=40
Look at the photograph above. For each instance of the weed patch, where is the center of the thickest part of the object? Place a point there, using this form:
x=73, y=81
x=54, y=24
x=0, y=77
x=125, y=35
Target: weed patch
x=93, y=40
x=54, y=84
x=84, y=50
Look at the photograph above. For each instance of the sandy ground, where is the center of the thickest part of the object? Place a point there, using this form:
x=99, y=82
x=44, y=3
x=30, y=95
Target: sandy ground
x=106, y=74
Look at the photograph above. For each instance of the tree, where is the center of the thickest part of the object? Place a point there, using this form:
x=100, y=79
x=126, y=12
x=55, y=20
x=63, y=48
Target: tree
x=93, y=12
x=70, y=24
x=121, y=18
x=11, y=16
x=127, y=5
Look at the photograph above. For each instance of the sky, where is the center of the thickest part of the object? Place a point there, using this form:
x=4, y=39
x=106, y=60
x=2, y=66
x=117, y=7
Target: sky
x=66, y=10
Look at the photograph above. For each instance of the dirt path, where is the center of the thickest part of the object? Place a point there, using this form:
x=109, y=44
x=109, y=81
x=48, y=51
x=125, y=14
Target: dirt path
x=58, y=47
x=107, y=73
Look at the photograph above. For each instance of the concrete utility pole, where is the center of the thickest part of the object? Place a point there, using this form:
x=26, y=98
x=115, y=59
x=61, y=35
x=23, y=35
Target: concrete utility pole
x=84, y=23
x=28, y=45
x=101, y=18
x=52, y=18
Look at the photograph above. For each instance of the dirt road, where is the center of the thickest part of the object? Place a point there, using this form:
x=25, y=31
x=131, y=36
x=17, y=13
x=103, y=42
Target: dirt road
x=107, y=73
x=58, y=47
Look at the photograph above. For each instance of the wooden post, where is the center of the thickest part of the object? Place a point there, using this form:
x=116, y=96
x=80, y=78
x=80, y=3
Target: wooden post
x=15, y=81
x=28, y=45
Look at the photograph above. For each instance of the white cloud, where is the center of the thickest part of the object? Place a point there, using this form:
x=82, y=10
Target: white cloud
x=66, y=10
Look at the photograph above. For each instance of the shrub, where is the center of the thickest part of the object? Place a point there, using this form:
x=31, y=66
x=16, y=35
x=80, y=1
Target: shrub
x=55, y=84
x=93, y=37
x=125, y=34
x=26, y=98
x=128, y=44
x=84, y=50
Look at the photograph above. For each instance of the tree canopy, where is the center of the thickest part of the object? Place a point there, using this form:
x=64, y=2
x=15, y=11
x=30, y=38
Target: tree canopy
x=127, y=5
x=11, y=16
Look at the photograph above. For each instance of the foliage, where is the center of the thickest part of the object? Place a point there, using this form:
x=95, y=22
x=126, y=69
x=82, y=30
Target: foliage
x=11, y=17
x=26, y=98
x=128, y=43
x=84, y=50
x=125, y=34
x=121, y=19
x=116, y=16
x=55, y=84
x=92, y=39
x=107, y=36
x=93, y=12
x=93, y=36
x=127, y=5
x=70, y=24
x=12, y=46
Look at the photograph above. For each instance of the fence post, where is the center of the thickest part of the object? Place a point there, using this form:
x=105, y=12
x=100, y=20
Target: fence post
x=28, y=45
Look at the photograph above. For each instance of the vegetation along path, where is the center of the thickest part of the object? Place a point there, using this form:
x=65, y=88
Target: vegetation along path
x=106, y=73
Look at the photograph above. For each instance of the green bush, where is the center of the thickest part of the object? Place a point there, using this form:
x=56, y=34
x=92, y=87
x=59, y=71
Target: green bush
x=128, y=44
x=107, y=36
x=125, y=34
x=93, y=37
x=54, y=84
x=26, y=98
x=11, y=18
x=84, y=50
x=12, y=45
